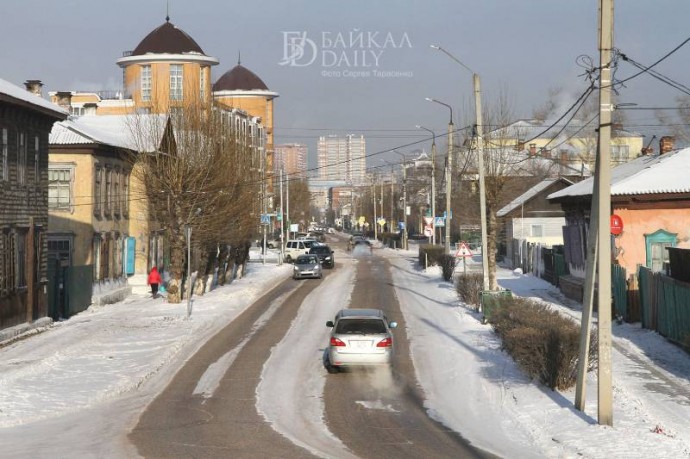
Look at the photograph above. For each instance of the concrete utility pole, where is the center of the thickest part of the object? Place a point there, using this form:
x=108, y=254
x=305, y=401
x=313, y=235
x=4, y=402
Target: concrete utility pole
x=480, y=162
x=449, y=162
x=376, y=232
x=287, y=208
x=404, y=190
x=482, y=185
x=433, y=183
x=282, y=218
x=604, y=246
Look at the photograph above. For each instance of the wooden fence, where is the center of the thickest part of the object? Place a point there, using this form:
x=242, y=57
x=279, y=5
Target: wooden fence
x=665, y=305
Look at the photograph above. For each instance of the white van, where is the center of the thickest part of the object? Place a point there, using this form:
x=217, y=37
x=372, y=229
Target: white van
x=294, y=248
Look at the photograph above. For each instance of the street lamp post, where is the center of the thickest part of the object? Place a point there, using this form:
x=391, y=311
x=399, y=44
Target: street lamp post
x=433, y=183
x=404, y=190
x=449, y=166
x=480, y=162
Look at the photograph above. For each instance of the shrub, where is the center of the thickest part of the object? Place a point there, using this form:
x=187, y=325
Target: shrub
x=542, y=342
x=468, y=287
x=433, y=254
x=448, y=265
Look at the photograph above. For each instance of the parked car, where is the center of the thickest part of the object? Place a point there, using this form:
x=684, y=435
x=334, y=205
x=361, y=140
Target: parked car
x=359, y=337
x=307, y=266
x=294, y=248
x=325, y=254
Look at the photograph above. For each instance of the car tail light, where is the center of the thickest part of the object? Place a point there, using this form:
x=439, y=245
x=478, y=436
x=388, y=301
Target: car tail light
x=336, y=342
x=386, y=342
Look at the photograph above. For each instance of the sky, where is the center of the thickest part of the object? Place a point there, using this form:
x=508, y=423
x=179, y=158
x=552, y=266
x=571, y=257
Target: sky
x=97, y=371
x=520, y=49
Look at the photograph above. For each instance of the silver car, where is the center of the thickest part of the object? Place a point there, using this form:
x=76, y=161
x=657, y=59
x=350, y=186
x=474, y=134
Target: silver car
x=307, y=266
x=359, y=337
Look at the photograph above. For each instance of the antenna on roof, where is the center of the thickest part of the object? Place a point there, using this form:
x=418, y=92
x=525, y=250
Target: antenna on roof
x=167, y=11
x=239, y=55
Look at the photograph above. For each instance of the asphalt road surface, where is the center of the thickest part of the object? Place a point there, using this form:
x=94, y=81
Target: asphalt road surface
x=374, y=413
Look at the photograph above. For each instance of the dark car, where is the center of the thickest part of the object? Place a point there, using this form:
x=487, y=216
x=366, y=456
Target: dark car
x=325, y=254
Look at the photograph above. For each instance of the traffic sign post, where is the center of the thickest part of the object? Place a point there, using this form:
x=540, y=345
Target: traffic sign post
x=463, y=250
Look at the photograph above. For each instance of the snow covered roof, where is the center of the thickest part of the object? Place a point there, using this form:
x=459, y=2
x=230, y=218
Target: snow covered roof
x=132, y=132
x=527, y=195
x=533, y=129
x=667, y=173
x=14, y=94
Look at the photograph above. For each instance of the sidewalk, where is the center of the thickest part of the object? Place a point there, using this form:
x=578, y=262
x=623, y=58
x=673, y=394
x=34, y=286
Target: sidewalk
x=75, y=368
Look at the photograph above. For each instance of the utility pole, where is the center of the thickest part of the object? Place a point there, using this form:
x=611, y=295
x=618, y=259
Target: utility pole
x=376, y=233
x=287, y=208
x=604, y=246
x=449, y=168
x=482, y=186
x=392, y=220
x=405, y=206
x=282, y=218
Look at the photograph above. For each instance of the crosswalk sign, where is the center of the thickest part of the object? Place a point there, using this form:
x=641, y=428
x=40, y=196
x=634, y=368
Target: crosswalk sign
x=463, y=250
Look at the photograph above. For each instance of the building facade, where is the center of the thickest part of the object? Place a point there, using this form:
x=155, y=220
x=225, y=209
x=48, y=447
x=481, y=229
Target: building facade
x=25, y=123
x=342, y=158
x=292, y=159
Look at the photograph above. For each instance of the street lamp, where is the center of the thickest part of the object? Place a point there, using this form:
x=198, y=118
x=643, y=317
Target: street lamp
x=449, y=166
x=404, y=180
x=433, y=182
x=480, y=162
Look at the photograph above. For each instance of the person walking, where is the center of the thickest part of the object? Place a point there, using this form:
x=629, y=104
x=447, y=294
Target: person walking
x=154, y=281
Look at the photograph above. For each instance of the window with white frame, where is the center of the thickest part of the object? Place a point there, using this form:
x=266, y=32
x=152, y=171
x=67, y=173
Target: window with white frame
x=5, y=154
x=145, y=82
x=97, y=242
x=620, y=153
x=76, y=110
x=37, y=158
x=59, y=188
x=176, y=81
x=21, y=158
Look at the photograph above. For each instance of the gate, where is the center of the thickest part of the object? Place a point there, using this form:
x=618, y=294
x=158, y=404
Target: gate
x=620, y=291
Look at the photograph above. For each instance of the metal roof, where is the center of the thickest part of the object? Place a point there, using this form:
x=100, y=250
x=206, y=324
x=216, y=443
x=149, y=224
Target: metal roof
x=21, y=95
x=654, y=174
x=529, y=194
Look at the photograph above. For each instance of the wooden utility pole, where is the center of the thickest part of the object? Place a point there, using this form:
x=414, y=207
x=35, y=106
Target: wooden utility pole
x=604, y=246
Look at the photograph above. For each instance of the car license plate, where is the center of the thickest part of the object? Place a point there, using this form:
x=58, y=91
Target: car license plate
x=360, y=344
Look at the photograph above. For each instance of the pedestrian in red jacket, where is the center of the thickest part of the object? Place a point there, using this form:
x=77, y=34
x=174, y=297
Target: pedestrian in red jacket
x=154, y=281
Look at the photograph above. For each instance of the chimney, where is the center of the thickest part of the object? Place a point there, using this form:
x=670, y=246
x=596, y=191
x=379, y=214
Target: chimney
x=34, y=86
x=90, y=108
x=666, y=144
x=64, y=99
x=532, y=149
x=520, y=145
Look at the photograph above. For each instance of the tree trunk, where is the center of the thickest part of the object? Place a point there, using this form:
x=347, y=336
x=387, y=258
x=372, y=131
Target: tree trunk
x=223, y=264
x=202, y=273
x=177, y=258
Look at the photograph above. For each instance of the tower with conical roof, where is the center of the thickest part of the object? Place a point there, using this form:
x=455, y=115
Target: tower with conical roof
x=242, y=89
x=166, y=69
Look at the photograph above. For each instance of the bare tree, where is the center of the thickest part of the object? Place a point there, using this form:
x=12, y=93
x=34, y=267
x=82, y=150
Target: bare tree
x=200, y=177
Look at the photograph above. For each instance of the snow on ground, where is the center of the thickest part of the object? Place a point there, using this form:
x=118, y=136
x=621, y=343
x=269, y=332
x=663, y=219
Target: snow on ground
x=94, y=360
x=76, y=388
x=471, y=384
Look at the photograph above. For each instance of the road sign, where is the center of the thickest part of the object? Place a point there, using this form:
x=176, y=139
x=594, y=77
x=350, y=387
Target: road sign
x=463, y=250
x=265, y=219
x=440, y=221
x=428, y=220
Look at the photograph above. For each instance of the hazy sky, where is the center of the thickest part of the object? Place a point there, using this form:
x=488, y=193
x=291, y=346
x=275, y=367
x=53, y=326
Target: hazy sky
x=520, y=47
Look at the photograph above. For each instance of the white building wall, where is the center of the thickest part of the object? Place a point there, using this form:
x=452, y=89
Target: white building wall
x=551, y=229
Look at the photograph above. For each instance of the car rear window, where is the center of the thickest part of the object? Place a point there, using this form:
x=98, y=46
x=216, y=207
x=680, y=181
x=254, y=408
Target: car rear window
x=360, y=326
x=320, y=249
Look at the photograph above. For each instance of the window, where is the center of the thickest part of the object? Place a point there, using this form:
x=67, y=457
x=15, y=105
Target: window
x=116, y=192
x=21, y=158
x=108, y=194
x=97, y=192
x=76, y=111
x=537, y=231
x=125, y=195
x=656, y=244
x=59, y=188
x=9, y=265
x=37, y=157
x=176, y=81
x=97, y=242
x=21, y=259
x=202, y=83
x=620, y=153
x=5, y=153
x=146, y=82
